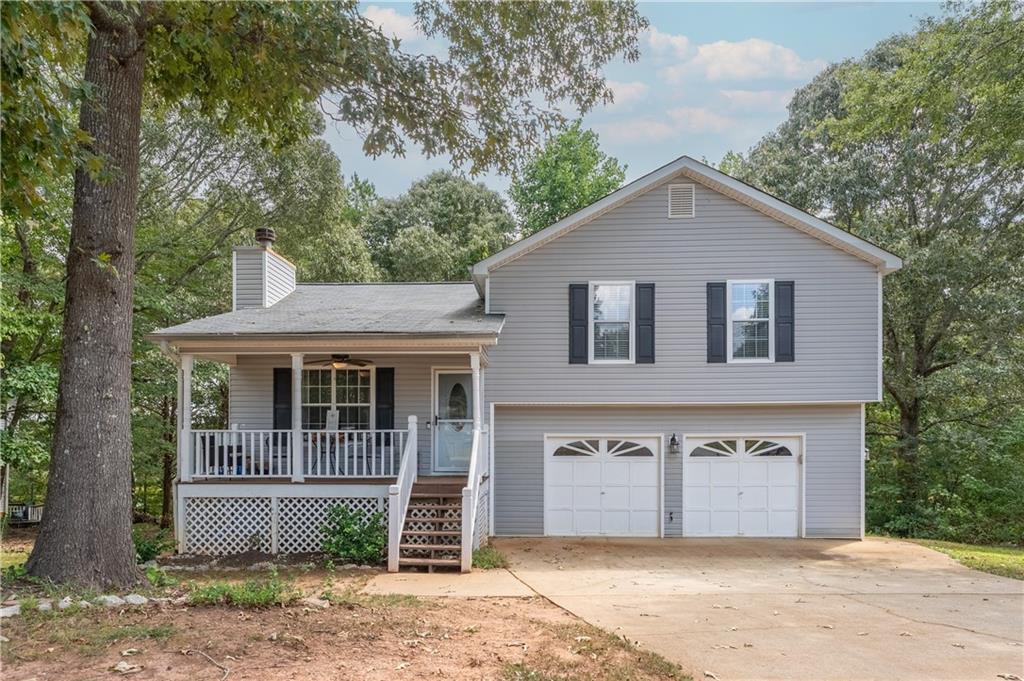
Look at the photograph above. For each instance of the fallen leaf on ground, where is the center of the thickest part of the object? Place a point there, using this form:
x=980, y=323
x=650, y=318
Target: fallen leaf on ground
x=123, y=667
x=130, y=651
x=710, y=675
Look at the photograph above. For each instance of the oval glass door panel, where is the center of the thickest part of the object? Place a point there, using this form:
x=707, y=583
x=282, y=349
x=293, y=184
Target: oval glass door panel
x=454, y=414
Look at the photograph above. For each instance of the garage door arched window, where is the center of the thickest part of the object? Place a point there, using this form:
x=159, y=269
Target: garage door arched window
x=578, y=448
x=628, y=448
x=766, y=448
x=715, y=448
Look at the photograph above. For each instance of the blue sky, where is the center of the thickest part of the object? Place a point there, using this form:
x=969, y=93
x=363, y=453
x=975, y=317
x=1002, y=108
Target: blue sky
x=712, y=77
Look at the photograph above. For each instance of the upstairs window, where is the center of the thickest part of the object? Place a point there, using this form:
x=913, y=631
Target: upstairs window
x=611, y=322
x=750, y=326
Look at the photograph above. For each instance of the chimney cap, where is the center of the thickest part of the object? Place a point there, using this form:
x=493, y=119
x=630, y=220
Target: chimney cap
x=265, y=236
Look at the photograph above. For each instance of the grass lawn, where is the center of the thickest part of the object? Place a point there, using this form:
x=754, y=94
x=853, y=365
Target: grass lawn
x=997, y=560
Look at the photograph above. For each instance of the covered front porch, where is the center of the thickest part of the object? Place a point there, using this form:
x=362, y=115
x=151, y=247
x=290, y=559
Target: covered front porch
x=310, y=427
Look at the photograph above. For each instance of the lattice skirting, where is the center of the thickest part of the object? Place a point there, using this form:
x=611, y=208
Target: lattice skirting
x=226, y=525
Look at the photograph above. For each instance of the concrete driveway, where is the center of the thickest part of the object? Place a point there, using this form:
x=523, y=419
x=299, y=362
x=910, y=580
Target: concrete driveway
x=787, y=609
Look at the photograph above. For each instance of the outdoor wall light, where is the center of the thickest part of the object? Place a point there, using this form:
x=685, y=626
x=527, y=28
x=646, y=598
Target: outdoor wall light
x=673, y=445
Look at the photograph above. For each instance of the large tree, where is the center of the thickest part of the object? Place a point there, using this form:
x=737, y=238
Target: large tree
x=917, y=147
x=260, y=65
x=438, y=228
x=570, y=172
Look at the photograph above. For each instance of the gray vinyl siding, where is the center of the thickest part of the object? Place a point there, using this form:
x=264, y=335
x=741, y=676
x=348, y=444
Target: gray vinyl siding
x=280, y=277
x=833, y=458
x=248, y=278
x=251, y=403
x=836, y=305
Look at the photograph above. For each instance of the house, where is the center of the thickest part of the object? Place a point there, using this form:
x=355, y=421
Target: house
x=688, y=356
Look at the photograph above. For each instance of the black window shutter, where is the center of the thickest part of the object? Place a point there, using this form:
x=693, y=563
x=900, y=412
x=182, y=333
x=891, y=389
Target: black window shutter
x=784, y=322
x=716, y=322
x=645, y=323
x=385, y=398
x=282, y=399
x=578, y=323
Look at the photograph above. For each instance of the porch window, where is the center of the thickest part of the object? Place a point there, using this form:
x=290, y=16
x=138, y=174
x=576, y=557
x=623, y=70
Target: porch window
x=347, y=390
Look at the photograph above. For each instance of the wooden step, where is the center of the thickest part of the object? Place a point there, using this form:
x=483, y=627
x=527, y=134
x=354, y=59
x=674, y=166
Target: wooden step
x=431, y=562
x=433, y=533
x=457, y=521
x=431, y=547
x=436, y=495
x=434, y=507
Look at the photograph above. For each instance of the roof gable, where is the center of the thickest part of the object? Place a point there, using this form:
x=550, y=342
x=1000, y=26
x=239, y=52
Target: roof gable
x=712, y=179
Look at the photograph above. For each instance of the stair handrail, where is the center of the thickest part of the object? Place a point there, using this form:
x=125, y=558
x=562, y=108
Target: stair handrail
x=470, y=498
x=399, y=493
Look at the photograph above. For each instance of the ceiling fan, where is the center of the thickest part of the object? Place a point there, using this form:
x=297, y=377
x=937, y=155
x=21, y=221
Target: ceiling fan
x=342, y=362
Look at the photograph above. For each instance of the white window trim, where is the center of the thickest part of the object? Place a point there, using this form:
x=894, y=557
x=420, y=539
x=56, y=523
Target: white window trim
x=770, y=359
x=632, y=322
x=372, y=425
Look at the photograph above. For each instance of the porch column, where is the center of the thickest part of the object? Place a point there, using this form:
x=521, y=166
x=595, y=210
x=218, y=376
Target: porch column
x=474, y=363
x=298, y=465
x=185, y=425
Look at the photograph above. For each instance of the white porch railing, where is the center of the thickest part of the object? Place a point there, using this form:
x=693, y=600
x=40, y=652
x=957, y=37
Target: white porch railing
x=479, y=472
x=241, y=453
x=398, y=495
x=353, y=453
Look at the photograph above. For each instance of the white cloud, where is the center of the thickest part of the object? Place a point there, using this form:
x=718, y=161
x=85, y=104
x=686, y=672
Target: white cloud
x=676, y=45
x=758, y=100
x=676, y=123
x=392, y=23
x=627, y=93
x=750, y=59
x=699, y=119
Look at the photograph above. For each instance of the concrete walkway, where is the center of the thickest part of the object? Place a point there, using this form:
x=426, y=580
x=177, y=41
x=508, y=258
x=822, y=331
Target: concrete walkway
x=790, y=610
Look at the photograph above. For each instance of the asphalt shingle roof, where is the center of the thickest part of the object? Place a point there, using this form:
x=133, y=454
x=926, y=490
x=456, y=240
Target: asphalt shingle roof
x=434, y=309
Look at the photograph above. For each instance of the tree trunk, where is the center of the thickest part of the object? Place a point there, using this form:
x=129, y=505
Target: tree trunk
x=907, y=452
x=85, y=536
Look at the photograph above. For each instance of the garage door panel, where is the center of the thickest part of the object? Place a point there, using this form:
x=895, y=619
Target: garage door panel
x=724, y=523
x=587, y=473
x=724, y=473
x=697, y=523
x=783, y=498
x=754, y=499
x=643, y=473
x=560, y=497
x=783, y=523
x=754, y=473
x=697, y=499
x=587, y=497
x=724, y=498
x=614, y=490
x=741, y=485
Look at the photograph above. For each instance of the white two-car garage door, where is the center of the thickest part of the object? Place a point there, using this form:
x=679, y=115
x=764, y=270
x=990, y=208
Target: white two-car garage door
x=602, y=486
x=741, y=486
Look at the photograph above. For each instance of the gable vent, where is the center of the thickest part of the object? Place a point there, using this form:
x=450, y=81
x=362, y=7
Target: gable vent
x=680, y=201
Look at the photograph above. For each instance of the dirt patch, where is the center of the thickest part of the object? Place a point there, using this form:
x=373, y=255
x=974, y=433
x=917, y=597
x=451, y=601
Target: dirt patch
x=361, y=637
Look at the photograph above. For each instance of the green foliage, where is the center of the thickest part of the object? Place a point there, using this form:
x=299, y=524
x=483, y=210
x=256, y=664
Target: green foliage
x=908, y=148
x=569, y=173
x=353, y=537
x=489, y=558
x=437, y=229
x=149, y=544
x=158, y=578
x=1005, y=561
x=254, y=593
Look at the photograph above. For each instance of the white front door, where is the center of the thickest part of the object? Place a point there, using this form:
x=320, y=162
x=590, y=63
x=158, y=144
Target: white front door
x=453, y=420
x=741, y=486
x=602, y=486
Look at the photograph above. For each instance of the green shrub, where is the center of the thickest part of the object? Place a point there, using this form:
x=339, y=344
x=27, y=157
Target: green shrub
x=489, y=558
x=353, y=537
x=255, y=593
x=149, y=545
